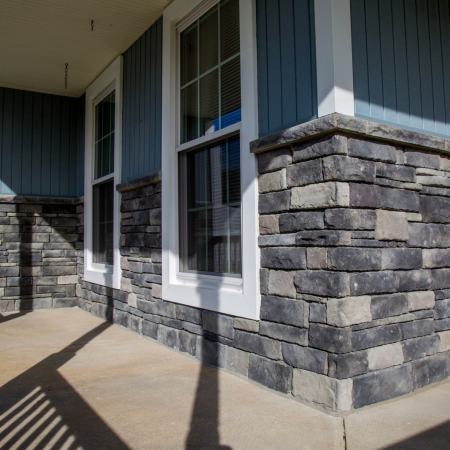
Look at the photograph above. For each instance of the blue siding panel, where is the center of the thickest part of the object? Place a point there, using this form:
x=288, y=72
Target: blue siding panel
x=286, y=63
x=401, y=62
x=142, y=103
x=41, y=143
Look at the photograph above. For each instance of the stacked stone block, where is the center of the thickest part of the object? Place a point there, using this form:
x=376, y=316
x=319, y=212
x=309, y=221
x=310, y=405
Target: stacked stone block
x=358, y=229
x=38, y=253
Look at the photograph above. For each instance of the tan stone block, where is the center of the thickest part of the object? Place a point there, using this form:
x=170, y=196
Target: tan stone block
x=391, y=226
x=421, y=300
x=385, y=356
x=320, y=195
x=347, y=311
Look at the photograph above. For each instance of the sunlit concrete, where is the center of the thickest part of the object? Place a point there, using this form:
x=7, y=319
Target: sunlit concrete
x=69, y=380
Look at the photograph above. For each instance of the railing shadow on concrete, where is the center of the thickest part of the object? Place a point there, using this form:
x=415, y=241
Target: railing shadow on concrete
x=40, y=409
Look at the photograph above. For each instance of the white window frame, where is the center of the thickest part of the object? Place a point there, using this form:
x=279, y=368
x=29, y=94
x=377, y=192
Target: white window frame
x=229, y=295
x=109, y=80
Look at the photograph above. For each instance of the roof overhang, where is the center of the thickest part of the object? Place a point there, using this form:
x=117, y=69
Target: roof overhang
x=39, y=37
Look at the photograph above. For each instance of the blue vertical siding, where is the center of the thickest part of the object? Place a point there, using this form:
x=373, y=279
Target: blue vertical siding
x=401, y=62
x=142, y=101
x=287, y=91
x=41, y=144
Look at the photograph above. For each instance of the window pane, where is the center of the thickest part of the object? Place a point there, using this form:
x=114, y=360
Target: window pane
x=229, y=29
x=104, y=136
x=209, y=40
x=189, y=113
x=102, y=226
x=209, y=103
x=210, y=72
x=211, y=209
x=231, y=92
x=189, y=52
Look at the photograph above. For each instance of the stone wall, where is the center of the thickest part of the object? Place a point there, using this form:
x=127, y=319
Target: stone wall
x=38, y=253
x=355, y=222
x=355, y=267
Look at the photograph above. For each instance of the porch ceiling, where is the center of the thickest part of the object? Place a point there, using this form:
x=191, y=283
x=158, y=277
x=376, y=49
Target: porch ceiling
x=38, y=37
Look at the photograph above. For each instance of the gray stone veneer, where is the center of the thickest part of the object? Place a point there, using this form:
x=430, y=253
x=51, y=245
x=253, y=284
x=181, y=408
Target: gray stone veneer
x=38, y=253
x=355, y=268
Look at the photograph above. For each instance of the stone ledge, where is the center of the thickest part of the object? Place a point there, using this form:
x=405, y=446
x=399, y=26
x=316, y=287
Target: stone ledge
x=153, y=178
x=30, y=199
x=349, y=125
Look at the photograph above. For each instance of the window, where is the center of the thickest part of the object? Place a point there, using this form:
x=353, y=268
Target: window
x=210, y=100
x=210, y=254
x=102, y=258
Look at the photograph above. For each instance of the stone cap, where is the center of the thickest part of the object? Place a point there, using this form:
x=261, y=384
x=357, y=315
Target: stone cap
x=153, y=178
x=340, y=123
x=36, y=199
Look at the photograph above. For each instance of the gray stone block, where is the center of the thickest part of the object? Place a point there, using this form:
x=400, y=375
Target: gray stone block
x=372, y=150
x=401, y=258
x=305, y=358
x=284, y=310
x=317, y=312
x=150, y=329
x=373, y=282
x=350, y=219
x=348, y=365
x=286, y=258
x=274, y=160
x=354, y=259
x=417, y=328
x=436, y=258
x=420, y=347
x=343, y=168
x=320, y=195
x=269, y=182
x=323, y=238
x=322, y=283
x=420, y=159
x=435, y=209
x=396, y=172
x=381, y=385
x=442, y=309
x=274, y=375
x=260, y=345
x=430, y=370
x=168, y=336
x=188, y=342
x=274, y=202
x=322, y=390
x=373, y=337
x=283, y=332
x=218, y=324
x=326, y=146
x=347, y=311
x=282, y=283
x=389, y=305
x=305, y=220
x=304, y=173
x=331, y=339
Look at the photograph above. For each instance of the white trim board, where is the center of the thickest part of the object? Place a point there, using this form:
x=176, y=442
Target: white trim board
x=110, y=79
x=334, y=59
x=210, y=292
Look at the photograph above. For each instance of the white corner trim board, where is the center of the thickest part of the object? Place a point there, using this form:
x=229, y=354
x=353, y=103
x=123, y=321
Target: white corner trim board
x=239, y=297
x=334, y=57
x=109, y=80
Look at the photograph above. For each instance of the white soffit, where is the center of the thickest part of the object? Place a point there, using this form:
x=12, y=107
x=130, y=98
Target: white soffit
x=38, y=37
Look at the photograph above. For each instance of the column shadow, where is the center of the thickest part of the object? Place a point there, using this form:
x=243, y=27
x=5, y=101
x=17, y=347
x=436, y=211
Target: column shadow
x=40, y=409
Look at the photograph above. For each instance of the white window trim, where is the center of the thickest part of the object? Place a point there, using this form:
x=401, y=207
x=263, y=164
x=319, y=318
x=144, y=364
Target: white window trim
x=334, y=58
x=110, y=79
x=239, y=297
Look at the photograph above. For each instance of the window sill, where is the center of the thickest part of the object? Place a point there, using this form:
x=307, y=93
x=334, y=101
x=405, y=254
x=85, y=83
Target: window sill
x=103, y=277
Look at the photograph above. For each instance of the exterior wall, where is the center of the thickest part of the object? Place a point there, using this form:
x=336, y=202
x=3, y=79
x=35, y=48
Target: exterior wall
x=401, y=62
x=355, y=276
x=358, y=228
x=142, y=102
x=38, y=253
x=286, y=63
x=41, y=144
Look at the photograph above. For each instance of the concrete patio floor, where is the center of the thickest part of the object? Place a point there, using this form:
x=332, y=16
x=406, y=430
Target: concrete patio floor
x=70, y=380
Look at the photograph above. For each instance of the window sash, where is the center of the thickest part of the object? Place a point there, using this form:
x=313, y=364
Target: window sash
x=203, y=10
